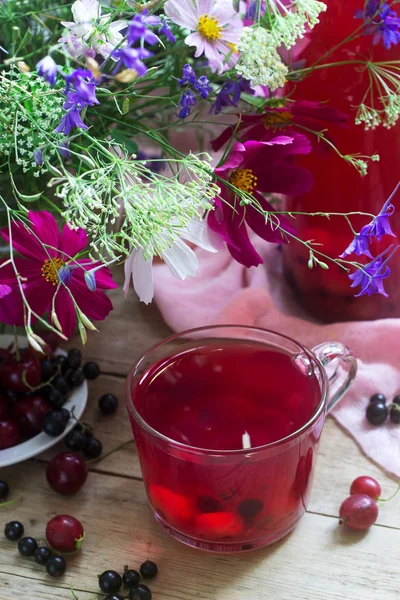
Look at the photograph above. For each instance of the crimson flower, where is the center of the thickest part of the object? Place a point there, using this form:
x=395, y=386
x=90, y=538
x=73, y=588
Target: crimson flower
x=286, y=120
x=50, y=271
x=258, y=168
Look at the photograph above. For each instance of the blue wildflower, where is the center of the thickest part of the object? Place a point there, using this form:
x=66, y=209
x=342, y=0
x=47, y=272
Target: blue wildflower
x=382, y=22
x=65, y=274
x=188, y=76
x=71, y=119
x=138, y=29
x=63, y=149
x=252, y=10
x=229, y=94
x=377, y=228
x=85, y=88
x=370, y=277
x=47, y=68
x=203, y=86
x=38, y=156
x=187, y=101
x=132, y=58
x=166, y=30
x=90, y=279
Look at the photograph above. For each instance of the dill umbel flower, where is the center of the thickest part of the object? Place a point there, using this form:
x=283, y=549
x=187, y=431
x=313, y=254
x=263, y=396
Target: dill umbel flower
x=259, y=60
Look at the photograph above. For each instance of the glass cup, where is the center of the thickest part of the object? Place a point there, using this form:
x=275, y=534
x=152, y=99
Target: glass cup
x=230, y=501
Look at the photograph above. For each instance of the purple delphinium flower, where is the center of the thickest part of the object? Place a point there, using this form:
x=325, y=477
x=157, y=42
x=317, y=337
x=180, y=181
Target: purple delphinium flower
x=187, y=101
x=377, y=228
x=47, y=68
x=38, y=156
x=166, y=30
x=203, y=86
x=132, y=58
x=229, y=94
x=84, y=85
x=138, y=29
x=251, y=10
x=382, y=22
x=63, y=149
x=188, y=76
x=370, y=277
x=71, y=119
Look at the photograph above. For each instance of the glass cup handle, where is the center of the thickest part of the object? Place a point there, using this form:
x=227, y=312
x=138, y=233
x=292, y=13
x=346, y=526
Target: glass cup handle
x=340, y=366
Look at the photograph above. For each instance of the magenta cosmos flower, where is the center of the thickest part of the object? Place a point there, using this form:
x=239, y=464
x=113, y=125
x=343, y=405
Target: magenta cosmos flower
x=258, y=168
x=216, y=28
x=48, y=269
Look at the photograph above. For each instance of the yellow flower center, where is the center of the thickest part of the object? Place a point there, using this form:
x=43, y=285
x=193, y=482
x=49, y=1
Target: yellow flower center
x=244, y=180
x=209, y=28
x=50, y=270
x=277, y=119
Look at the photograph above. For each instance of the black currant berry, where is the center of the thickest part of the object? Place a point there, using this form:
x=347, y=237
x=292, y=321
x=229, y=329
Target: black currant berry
x=76, y=440
x=74, y=358
x=396, y=399
x=55, y=397
x=27, y=546
x=248, y=509
x=91, y=370
x=110, y=582
x=54, y=423
x=378, y=398
x=75, y=378
x=377, y=413
x=108, y=404
x=61, y=385
x=141, y=592
x=4, y=490
x=42, y=555
x=395, y=414
x=93, y=448
x=14, y=531
x=148, y=569
x=208, y=504
x=56, y=566
x=61, y=362
x=66, y=414
x=48, y=369
x=114, y=597
x=131, y=578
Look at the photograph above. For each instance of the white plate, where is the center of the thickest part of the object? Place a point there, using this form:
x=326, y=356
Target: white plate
x=42, y=441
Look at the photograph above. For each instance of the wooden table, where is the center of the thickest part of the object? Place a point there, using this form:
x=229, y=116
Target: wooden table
x=319, y=560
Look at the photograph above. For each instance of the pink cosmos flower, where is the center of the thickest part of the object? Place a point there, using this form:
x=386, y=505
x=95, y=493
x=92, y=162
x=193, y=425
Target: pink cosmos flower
x=48, y=269
x=258, y=168
x=216, y=28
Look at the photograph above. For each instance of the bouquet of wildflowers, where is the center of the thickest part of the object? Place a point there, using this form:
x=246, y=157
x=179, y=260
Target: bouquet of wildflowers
x=92, y=94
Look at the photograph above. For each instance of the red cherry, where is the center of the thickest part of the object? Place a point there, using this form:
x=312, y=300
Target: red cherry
x=65, y=533
x=358, y=512
x=13, y=371
x=218, y=525
x=29, y=414
x=3, y=407
x=366, y=485
x=66, y=473
x=9, y=434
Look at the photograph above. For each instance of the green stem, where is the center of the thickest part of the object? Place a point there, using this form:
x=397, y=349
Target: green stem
x=120, y=447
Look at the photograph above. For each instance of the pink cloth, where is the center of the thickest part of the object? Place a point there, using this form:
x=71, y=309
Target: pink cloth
x=224, y=292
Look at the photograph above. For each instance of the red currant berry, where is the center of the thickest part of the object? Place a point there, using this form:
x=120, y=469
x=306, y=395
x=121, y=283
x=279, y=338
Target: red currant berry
x=65, y=533
x=366, y=485
x=66, y=473
x=358, y=512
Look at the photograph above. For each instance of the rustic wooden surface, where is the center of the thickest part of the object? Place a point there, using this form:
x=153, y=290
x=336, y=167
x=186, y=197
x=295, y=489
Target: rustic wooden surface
x=318, y=561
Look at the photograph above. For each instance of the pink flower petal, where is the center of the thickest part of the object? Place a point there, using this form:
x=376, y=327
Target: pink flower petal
x=182, y=12
x=5, y=290
x=95, y=305
x=283, y=178
x=65, y=311
x=44, y=225
x=73, y=241
x=263, y=228
x=195, y=39
x=204, y=7
x=234, y=160
x=226, y=14
x=24, y=242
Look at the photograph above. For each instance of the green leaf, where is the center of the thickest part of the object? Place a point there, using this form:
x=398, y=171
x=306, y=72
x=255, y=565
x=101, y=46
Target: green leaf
x=124, y=140
x=125, y=106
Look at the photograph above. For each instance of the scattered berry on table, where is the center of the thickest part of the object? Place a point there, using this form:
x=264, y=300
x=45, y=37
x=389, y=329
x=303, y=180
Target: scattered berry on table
x=131, y=578
x=48, y=369
x=378, y=398
x=377, y=413
x=114, y=597
x=14, y=531
x=4, y=490
x=366, y=485
x=110, y=582
x=54, y=423
x=27, y=546
x=76, y=440
x=108, y=404
x=75, y=378
x=42, y=555
x=358, y=512
x=141, y=592
x=148, y=569
x=56, y=566
x=64, y=533
x=93, y=448
x=74, y=358
x=91, y=370
x=66, y=473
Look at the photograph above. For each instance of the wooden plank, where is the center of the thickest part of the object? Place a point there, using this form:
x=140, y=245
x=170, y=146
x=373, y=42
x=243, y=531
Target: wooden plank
x=126, y=334
x=319, y=560
x=12, y=586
